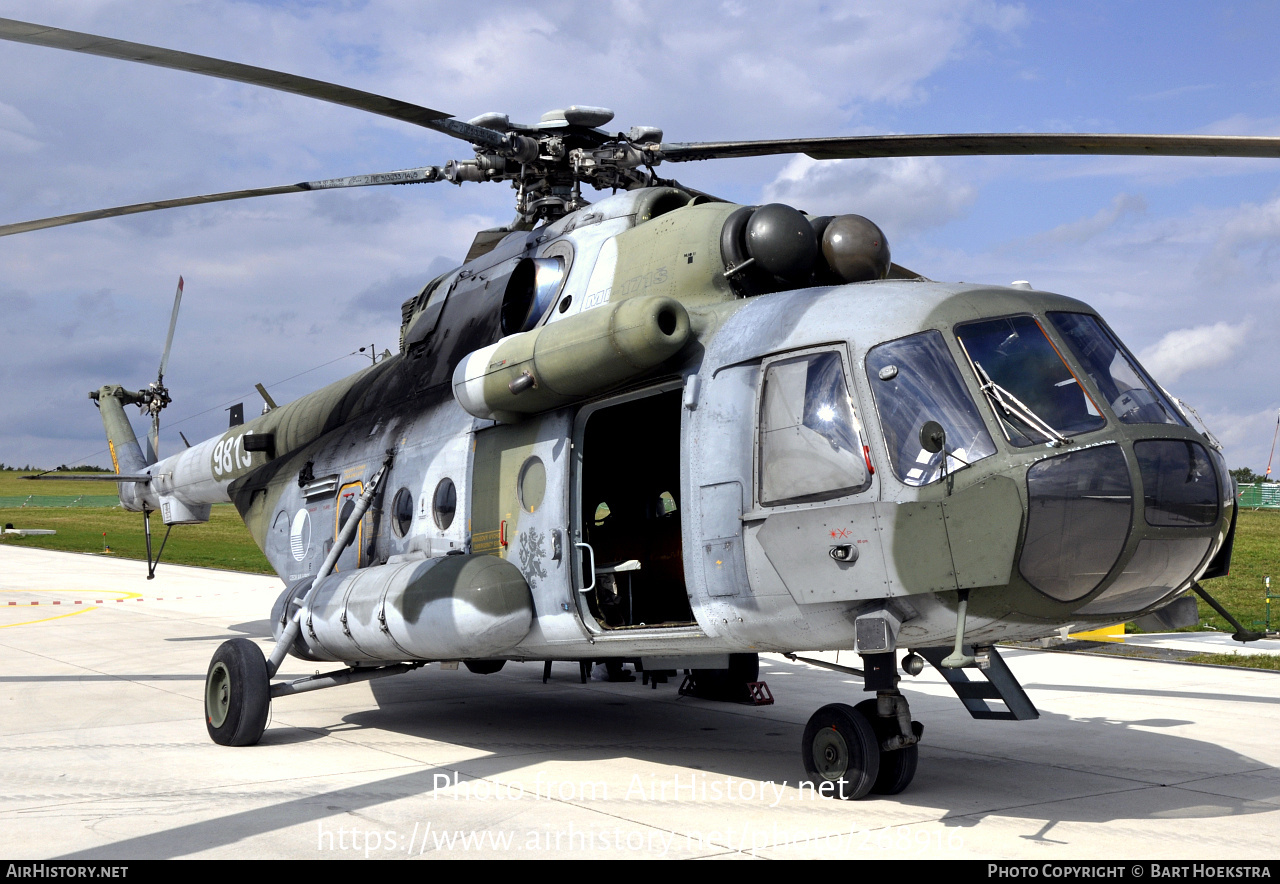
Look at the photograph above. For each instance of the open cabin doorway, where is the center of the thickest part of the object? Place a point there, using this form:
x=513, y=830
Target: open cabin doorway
x=629, y=513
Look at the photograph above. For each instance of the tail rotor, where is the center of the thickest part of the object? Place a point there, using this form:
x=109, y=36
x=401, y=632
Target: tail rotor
x=156, y=396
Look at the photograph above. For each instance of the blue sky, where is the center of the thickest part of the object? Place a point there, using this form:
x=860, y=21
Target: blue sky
x=1178, y=254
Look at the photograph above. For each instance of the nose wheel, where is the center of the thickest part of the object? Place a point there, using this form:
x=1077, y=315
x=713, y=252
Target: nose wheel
x=898, y=766
x=237, y=694
x=841, y=752
x=844, y=754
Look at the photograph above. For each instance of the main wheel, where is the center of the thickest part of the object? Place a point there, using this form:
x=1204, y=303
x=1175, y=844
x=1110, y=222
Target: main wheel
x=484, y=667
x=897, y=768
x=728, y=684
x=840, y=747
x=237, y=694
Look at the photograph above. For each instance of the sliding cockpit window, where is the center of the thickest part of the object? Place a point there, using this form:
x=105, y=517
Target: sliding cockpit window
x=915, y=381
x=810, y=441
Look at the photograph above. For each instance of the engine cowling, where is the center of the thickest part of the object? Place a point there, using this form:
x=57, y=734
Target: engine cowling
x=570, y=359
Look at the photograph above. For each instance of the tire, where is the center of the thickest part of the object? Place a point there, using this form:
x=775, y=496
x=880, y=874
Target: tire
x=484, y=667
x=897, y=768
x=237, y=694
x=840, y=748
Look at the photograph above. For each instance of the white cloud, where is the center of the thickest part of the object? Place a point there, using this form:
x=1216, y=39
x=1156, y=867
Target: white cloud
x=901, y=195
x=1250, y=228
x=1124, y=205
x=1246, y=437
x=1192, y=349
x=17, y=133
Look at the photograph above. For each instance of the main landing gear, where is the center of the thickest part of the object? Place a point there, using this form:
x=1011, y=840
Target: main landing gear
x=237, y=694
x=238, y=690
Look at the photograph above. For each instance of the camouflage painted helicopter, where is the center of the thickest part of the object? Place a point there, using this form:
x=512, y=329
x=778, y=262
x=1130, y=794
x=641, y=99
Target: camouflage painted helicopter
x=670, y=430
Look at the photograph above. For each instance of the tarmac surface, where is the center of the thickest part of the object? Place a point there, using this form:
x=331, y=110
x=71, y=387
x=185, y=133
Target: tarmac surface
x=105, y=754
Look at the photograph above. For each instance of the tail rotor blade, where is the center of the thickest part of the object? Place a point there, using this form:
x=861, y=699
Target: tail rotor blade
x=158, y=396
x=173, y=322
x=153, y=439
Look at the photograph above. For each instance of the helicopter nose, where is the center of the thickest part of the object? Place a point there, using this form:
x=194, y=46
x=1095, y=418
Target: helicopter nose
x=1080, y=509
x=1086, y=510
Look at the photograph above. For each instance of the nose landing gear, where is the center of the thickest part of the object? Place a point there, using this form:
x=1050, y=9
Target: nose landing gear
x=852, y=751
x=841, y=752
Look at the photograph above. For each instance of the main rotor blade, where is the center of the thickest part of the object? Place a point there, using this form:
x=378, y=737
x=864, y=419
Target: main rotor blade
x=91, y=44
x=979, y=144
x=421, y=175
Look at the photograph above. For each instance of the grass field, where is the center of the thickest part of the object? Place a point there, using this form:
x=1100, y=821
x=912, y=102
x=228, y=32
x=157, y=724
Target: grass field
x=1255, y=557
x=225, y=543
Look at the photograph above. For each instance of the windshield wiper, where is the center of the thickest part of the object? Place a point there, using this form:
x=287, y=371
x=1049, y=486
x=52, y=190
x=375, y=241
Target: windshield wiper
x=1002, y=400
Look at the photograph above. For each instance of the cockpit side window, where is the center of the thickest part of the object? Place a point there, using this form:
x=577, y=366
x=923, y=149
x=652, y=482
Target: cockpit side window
x=1134, y=397
x=1034, y=393
x=914, y=381
x=810, y=440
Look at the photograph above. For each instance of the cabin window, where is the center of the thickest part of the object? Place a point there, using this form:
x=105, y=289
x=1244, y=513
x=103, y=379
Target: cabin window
x=402, y=512
x=914, y=381
x=810, y=440
x=532, y=484
x=348, y=507
x=444, y=502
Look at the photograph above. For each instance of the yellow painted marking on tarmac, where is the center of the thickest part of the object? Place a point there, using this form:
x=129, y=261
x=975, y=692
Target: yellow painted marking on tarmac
x=47, y=619
x=1105, y=634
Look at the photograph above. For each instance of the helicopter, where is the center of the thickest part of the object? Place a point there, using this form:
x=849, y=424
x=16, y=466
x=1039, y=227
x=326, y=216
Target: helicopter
x=667, y=429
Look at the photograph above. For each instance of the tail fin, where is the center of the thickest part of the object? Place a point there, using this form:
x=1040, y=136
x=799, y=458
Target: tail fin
x=126, y=454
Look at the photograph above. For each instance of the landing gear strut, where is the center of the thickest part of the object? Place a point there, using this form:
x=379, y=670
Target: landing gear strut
x=897, y=766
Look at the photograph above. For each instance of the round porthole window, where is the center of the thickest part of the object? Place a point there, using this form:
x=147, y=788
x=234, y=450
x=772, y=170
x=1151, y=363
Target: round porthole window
x=444, y=502
x=402, y=512
x=348, y=507
x=532, y=484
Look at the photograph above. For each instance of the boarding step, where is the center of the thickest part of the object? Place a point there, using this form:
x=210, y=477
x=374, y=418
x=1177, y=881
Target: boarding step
x=1000, y=685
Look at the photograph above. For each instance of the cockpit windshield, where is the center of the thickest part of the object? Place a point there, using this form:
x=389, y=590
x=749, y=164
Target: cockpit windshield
x=1032, y=390
x=1133, y=397
x=915, y=380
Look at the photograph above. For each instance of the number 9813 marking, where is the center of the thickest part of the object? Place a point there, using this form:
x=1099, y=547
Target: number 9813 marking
x=229, y=456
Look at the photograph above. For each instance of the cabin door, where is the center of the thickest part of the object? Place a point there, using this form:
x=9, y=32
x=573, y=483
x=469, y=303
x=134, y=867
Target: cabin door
x=519, y=512
x=628, y=558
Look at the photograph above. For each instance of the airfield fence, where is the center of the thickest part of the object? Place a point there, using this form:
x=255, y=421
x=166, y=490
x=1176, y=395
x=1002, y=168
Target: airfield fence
x=59, y=500
x=1263, y=495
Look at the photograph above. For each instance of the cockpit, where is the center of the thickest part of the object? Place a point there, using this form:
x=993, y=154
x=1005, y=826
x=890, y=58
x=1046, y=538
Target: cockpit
x=961, y=438
x=1047, y=382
